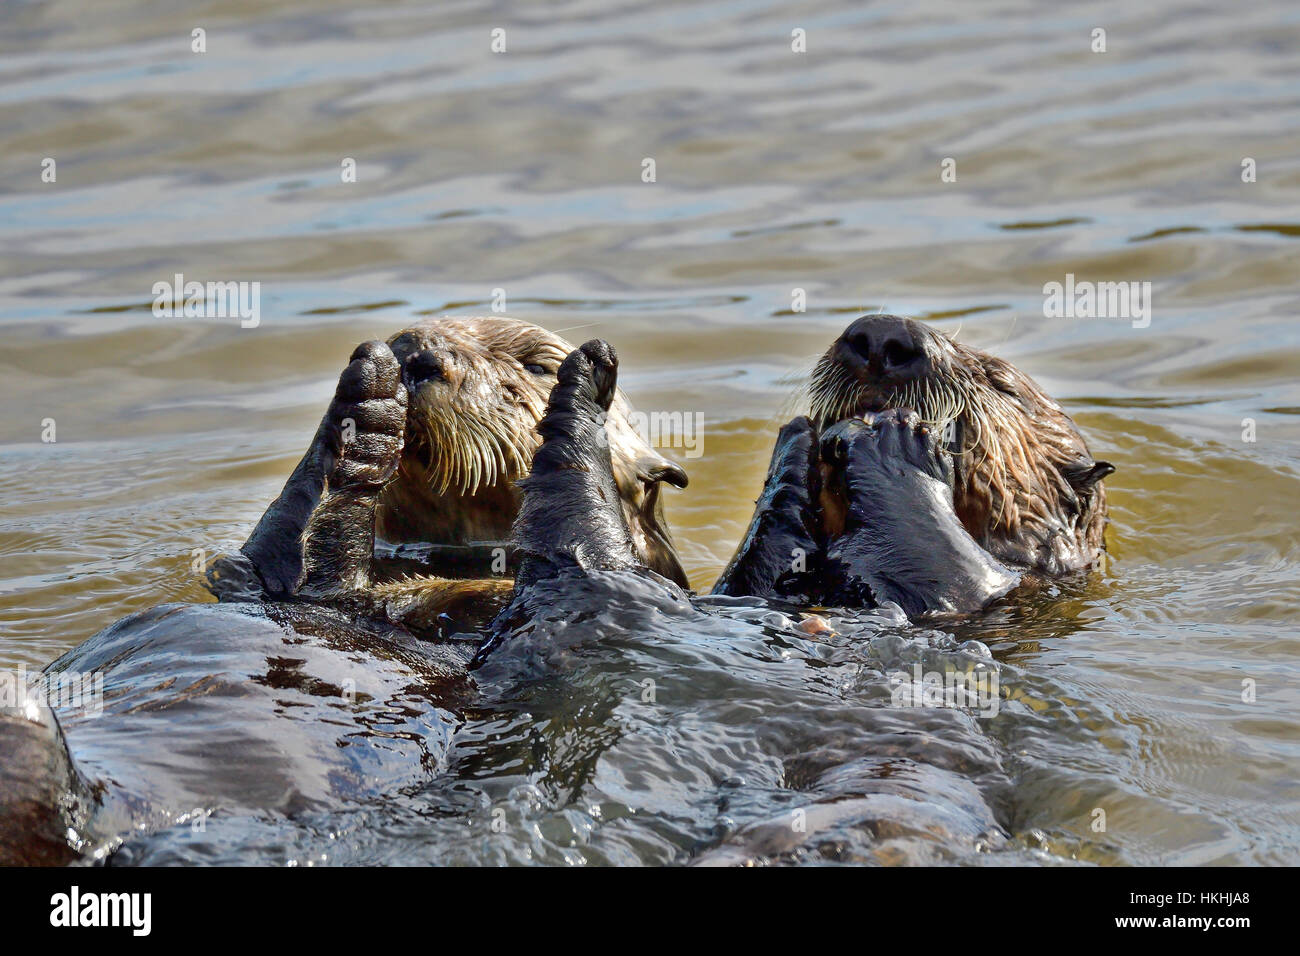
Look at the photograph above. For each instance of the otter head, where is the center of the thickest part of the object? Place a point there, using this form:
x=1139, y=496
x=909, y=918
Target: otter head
x=1026, y=487
x=477, y=387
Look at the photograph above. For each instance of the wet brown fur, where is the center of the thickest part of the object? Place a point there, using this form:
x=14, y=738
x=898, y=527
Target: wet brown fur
x=1027, y=488
x=471, y=434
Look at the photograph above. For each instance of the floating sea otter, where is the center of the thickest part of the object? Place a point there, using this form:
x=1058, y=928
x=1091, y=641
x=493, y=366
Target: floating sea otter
x=212, y=680
x=422, y=442
x=450, y=407
x=1023, y=483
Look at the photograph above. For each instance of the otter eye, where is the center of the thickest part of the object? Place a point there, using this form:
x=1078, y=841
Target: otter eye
x=534, y=368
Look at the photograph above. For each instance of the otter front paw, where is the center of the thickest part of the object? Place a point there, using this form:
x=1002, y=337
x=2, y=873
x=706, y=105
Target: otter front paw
x=367, y=419
x=889, y=442
x=902, y=541
x=781, y=553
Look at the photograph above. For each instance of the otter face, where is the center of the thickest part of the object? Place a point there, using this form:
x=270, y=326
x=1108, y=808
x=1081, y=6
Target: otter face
x=1026, y=487
x=477, y=387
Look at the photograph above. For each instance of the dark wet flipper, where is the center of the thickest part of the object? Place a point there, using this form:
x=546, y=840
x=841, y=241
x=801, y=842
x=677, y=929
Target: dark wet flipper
x=571, y=518
x=902, y=540
x=369, y=407
x=781, y=552
x=364, y=438
x=572, y=515
x=274, y=549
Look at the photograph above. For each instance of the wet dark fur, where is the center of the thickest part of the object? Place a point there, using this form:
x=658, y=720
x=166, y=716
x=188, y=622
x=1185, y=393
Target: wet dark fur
x=285, y=707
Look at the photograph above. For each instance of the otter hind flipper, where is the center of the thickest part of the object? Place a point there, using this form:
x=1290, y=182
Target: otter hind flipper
x=571, y=519
x=571, y=515
x=368, y=409
x=367, y=422
x=902, y=540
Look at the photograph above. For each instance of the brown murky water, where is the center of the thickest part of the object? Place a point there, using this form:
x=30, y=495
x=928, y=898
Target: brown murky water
x=522, y=171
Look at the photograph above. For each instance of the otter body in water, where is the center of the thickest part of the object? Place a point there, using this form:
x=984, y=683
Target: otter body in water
x=421, y=444
x=333, y=701
x=470, y=392
x=1018, y=475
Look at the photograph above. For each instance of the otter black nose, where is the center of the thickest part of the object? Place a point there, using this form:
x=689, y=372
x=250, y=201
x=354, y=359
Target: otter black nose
x=886, y=344
x=423, y=366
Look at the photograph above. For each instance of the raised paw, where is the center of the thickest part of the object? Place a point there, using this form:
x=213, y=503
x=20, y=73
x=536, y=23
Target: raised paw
x=588, y=374
x=781, y=553
x=572, y=514
x=892, y=440
x=367, y=419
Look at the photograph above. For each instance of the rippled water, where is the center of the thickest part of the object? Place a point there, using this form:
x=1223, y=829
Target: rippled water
x=521, y=171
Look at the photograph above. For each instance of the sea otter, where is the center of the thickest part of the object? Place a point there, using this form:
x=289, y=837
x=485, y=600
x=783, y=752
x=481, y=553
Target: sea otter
x=422, y=443
x=461, y=399
x=334, y=698
x=1023, y=482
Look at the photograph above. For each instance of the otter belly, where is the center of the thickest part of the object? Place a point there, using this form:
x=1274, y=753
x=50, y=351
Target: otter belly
x=254, y=708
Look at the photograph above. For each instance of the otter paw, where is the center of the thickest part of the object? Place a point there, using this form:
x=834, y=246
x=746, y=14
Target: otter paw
x=604, y=370
x=586, y=380
x=794, y=461
x=887, y=440
x=367, y=418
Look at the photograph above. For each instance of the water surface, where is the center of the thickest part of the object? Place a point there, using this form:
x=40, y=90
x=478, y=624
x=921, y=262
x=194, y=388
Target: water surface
x=775, y=171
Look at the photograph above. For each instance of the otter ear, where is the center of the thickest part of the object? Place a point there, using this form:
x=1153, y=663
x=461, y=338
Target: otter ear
x=1084, y=475
x=653, y=468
